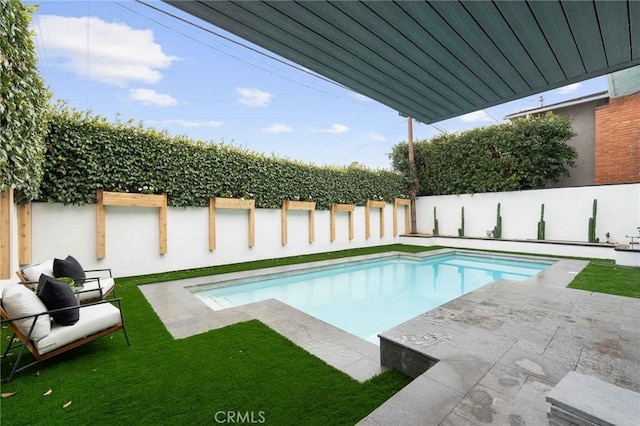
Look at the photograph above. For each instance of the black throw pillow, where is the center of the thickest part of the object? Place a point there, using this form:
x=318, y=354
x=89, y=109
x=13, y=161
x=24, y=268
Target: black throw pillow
x=56, y=295
x=69, y=267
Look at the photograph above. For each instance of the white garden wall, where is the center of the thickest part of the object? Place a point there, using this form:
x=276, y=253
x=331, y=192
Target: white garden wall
x=132, y=246
x=567, y=213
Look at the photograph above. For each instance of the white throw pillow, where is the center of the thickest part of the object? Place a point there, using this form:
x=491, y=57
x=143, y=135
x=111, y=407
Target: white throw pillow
x=32, y=273
x=18, y=301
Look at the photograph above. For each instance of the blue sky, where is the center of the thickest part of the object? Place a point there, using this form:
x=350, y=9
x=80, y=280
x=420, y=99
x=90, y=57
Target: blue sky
x=128, y=59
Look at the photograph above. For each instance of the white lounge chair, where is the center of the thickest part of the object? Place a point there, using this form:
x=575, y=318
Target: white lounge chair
x=98, y=284
x=32, y=325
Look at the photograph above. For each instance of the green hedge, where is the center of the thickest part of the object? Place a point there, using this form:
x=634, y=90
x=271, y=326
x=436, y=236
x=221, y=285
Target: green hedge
x=86, y=152
x=524, y=154
x=23, y=103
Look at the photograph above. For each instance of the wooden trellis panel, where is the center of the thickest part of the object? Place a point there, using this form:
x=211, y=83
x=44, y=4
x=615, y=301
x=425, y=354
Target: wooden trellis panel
x=128, y=199
x=335, y=208
x=231, y=203
x=372, y=204
x=6, y=203
x=24, y=234
x=298, y=205
x=407, y=221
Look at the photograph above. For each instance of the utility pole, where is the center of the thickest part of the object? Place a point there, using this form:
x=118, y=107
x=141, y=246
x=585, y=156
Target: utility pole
x=413, y=189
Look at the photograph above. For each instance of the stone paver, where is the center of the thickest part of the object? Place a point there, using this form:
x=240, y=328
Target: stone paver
x=532, y=334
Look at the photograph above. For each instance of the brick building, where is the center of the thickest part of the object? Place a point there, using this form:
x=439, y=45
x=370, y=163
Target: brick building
x=607, y=127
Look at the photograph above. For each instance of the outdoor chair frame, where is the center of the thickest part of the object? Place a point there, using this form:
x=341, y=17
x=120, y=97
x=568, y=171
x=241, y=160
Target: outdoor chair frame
x=26, y=342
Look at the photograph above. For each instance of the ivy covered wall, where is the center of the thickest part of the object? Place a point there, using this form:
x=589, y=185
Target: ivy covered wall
x=526, y=153
x=85, y=152
x=23, y=103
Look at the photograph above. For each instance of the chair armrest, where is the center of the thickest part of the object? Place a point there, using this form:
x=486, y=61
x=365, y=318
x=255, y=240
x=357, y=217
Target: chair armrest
x=33, y=285
x=54, y=311
x=5, y=320
x=100, y=270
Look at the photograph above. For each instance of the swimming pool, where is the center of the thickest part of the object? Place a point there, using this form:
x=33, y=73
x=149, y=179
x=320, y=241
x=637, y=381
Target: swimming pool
x=368, y=297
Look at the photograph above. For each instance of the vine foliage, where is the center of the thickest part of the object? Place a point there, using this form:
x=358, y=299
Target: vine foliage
x=23, y=104
x=523, y=154
x=85, y=152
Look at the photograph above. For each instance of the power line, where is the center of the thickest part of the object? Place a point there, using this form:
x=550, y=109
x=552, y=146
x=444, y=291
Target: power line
x=367, y=144
x=200, y=27
x=41, y=47
x=229, y=39
x=490, y=116
x=440, y=129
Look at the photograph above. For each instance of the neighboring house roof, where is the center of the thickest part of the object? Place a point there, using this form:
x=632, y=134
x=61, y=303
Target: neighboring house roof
x=559, y=105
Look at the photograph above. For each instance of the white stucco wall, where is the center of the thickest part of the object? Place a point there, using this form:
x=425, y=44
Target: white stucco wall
x=132, y=246
x=567, y=213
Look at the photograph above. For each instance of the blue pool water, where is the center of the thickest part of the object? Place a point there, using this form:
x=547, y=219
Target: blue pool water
x=367, y=298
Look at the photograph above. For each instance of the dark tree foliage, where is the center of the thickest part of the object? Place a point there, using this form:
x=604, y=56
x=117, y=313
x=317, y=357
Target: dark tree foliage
x=524, y=154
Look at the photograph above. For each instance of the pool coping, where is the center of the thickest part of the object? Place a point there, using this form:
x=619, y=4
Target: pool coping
x=184, y=314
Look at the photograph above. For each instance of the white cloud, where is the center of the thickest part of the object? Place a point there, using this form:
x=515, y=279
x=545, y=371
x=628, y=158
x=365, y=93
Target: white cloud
x=277, y=128
x=151, y=97
x=107, y=52
x=476, y=117
x=335, y=129
x=375, y=137
x=253, y=97
x=191, y=123
x=360, y=97
x=569, y=89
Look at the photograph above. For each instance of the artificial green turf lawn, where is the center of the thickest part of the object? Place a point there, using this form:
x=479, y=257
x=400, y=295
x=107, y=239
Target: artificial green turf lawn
x=604, y=276
x=245, y=367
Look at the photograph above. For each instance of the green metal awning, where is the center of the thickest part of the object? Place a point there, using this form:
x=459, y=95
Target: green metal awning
x=439, y=59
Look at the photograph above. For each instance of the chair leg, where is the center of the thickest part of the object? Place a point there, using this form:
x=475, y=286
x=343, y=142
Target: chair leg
x=15, y=368
x=9, y=346
x=126, y=336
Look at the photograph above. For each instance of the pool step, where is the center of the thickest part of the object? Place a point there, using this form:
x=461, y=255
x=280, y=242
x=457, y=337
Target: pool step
x=579, y=399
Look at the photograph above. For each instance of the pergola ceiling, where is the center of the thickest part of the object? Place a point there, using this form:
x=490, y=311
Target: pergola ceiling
x=439, y=59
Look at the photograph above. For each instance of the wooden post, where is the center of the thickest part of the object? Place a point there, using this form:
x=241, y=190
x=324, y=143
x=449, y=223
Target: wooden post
x=367, y=221
x=6, y=204
x=407, y=204
x=252, y=225
x=163, y=225
x=335, y=208
x=212, y=224
x=413, y=191
x=100, y=225
x=298, y=205
x=372, y=204
x=332, y=223
x=283, y=221
x=104, y=198
x=231, y=203
x=24, y=234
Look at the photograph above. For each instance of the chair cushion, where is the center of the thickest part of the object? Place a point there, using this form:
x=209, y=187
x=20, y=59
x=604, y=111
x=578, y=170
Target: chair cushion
x=56, y=295
x=32, y=273
x=93, y=319
x=106, y=284
x=18, y=301
x=69, y=267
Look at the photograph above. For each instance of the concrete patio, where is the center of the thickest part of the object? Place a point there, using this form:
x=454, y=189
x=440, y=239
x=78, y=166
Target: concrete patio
x=497, y=351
